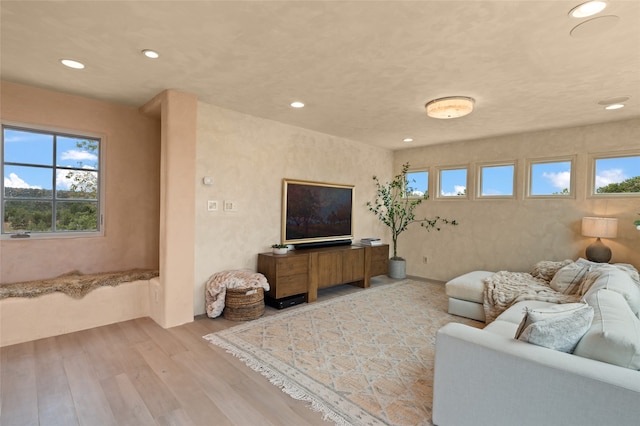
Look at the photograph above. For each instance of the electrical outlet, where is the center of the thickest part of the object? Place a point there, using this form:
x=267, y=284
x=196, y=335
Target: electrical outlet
x=230, y=206
x=212, y=205
x=424, y=259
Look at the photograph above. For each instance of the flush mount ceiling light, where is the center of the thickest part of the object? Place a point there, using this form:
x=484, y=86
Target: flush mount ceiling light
x=297, y=104
x=150, y=53
x=407, y=140
x=589, y=8
x=450, y=107
x=72, y=64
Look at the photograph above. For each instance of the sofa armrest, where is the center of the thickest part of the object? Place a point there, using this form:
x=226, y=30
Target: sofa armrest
x=485, y=378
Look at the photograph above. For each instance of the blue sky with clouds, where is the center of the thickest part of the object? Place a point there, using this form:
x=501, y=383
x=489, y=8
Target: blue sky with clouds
x=36, y=149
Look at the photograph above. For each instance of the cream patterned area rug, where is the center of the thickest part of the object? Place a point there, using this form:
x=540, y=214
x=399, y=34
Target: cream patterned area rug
x=364, y=358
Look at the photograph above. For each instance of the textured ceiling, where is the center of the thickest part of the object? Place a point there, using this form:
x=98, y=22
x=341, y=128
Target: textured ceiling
x=365, y=69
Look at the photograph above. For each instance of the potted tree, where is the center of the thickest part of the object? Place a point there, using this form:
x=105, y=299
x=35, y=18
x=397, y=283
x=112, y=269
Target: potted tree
x=394, y=206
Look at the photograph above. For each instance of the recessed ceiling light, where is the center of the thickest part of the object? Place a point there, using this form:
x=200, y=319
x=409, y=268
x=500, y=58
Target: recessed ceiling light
x=72, y=64
x=150, y=53
x=614, y=106
x=297, y=104
x=589, y=8
x=407, y=140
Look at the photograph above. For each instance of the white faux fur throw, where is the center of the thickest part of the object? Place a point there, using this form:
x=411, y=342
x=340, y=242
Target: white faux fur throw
x=216, y=287
x=74, y=283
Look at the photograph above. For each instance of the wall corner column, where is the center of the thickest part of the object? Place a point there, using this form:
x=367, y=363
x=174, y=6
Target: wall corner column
x=171, y=302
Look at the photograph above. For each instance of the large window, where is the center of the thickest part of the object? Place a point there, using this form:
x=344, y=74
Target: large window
x=51, y=183
x=615, y=175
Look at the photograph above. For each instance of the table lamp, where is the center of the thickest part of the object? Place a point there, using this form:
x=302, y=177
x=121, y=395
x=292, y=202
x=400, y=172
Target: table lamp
x=599, y=227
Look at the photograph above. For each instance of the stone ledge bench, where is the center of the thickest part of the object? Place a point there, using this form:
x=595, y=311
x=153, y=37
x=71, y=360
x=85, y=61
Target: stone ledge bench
x=45, y=310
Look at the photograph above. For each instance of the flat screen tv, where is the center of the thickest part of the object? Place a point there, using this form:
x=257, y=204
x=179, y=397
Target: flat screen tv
x=316, y=213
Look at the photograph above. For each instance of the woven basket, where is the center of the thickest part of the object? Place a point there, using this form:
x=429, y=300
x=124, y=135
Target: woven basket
x=243, y=304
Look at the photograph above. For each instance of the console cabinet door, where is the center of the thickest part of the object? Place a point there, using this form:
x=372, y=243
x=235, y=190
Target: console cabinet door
x=352, y=266
x=330, y=268
x=287, y=275
x=379, y=260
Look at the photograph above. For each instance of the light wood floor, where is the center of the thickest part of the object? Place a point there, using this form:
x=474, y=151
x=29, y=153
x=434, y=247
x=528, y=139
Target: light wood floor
x=136, y=373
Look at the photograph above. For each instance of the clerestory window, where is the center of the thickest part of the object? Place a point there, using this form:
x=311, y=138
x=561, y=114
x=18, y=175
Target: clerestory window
x=417, y=184
x=615, y=175
x=51, y=183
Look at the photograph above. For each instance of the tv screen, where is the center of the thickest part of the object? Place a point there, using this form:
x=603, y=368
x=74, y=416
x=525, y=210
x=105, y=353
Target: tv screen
x=315, y=213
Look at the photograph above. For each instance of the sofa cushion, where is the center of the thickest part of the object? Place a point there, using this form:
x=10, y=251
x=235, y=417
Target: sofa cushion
x=612, y=278
x=567, y=279
x=558, y=327
x=468, y=286
x=614, y=335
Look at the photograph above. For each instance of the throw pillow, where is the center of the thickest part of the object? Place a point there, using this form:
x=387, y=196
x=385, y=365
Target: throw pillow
x=568, y=279
x=546, y=269
x=614, y=336
x=560, y=327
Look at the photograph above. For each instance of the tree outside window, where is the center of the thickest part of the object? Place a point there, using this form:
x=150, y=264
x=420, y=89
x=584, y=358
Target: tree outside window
x=617, y=175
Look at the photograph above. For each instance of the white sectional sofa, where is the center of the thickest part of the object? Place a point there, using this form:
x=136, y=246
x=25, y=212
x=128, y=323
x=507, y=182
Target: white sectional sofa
x=488, y=377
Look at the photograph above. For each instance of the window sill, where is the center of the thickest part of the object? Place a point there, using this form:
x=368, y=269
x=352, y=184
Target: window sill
x=51, y=236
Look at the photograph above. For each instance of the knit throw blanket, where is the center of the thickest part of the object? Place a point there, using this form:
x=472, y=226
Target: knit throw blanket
x=74, y=283
x=504, y=288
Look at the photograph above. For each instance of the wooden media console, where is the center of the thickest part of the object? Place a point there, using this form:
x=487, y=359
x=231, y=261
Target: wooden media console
x=307, y=270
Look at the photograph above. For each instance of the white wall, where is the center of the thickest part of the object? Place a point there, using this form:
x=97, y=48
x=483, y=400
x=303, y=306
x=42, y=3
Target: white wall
x=248, y=157
x=514, y=234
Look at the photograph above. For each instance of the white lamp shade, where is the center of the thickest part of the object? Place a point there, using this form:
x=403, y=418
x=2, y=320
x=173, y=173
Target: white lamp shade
x=600, y=227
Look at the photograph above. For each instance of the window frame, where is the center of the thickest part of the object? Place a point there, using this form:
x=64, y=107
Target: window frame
x=100, y=199
x=439, y=171
x=591, y=181
x=530, y=162
x=481, y=166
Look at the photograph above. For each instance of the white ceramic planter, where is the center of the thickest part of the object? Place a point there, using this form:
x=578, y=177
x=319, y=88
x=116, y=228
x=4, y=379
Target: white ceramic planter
x=397, y=269
x=280, y=250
